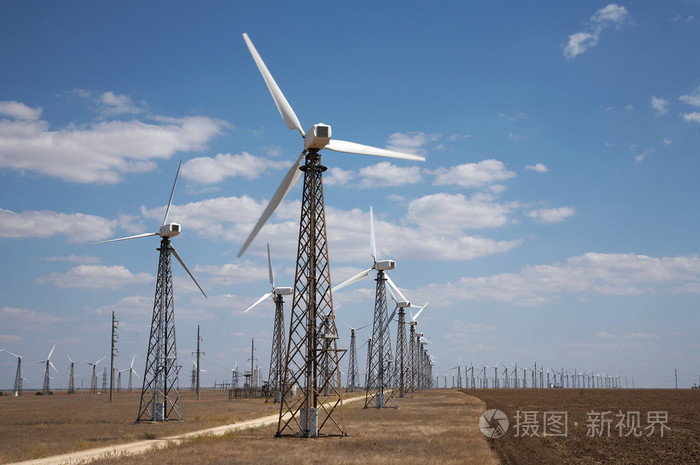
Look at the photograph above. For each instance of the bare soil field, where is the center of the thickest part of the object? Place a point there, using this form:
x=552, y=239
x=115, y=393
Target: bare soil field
x=34, y=426
x=432, y=427
x=631, y=440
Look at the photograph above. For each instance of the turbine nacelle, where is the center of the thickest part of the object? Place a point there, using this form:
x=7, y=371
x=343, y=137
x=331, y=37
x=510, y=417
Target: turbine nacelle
x=384, y=265
x=317, y=137
x=169, y=230
x=403, y=303
x=283, y=291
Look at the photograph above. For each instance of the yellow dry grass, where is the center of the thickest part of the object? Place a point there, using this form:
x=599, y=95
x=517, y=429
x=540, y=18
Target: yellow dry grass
x=32, y=426
x=432, y=427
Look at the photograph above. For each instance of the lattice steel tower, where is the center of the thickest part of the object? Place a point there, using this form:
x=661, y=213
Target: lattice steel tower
x=160, y=394
x=352, y=363
x=402, y=355
x=277, y=354
x=378, y=392
x=312, y=351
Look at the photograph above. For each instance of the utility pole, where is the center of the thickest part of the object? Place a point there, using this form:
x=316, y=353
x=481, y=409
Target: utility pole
x=114, y=352
x=676, y=371
x=198, y=353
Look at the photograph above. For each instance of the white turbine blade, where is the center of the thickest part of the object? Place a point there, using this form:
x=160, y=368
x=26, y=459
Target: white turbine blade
x=414, y=318
x=372, y=241
x=283, y=105
x=13, y=354
x=52, y=366
x=51, y=353
x=390, y=319
x=71, y=360
x=132, y=361
x=351, y=147
x=172, y=192
x=354, y=279
x=172, y=249
x=269, y=294
x=393, y=296
x=391, y=283
x=121, y=239
x=269, y=267
x=287, y=183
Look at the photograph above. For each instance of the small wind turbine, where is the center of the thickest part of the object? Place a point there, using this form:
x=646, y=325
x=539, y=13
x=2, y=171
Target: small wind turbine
x=234, y=377
x=277, y=352
x=71, y=376
x=17, y=389
x=48, y=363
x=160, y=396
x=132, y=372
x=353, y=376
x=93, y=383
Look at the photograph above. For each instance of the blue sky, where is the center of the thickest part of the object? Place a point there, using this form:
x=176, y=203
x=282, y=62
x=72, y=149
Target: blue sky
x=554, y=220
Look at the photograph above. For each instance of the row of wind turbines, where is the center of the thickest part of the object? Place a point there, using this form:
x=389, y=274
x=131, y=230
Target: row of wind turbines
x=512, y=376
x=18, y=387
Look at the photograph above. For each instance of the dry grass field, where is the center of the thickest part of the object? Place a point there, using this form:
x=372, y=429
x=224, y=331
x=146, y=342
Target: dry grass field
x=40, y=426
x=434, y=427
x=680, y=443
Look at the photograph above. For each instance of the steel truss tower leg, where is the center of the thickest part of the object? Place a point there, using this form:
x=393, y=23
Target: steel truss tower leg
x=379, y=392
x=160, y=395
x=311, y=402
x=276, y=373
x=412, y=358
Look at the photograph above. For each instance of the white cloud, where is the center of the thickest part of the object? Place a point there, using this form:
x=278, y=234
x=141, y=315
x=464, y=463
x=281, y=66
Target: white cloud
x=692, y=98
x=26, y=319
x=100, y=152
x=692, y=117
x=411, y=142
x=539, y=167
x=667, y=141
x=19, y=111
x=579, y=43
x=96, y=277
x=77, y=227
x=113, y=104
x=610, y=15
x=615, y=274
x=444, y=212
x=208, y=170
x=236, y=272
x=473, y=174
x=660, y=105
x=386, y=174
x=551, y=215
x=338, y=177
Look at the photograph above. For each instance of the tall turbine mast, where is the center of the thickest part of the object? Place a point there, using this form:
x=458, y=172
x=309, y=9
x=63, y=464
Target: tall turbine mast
x=160, y=394
x=312, y=349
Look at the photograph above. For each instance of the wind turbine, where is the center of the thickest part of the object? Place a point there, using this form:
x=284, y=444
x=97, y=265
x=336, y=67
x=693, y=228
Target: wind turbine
x=160, y=396
x=352, y=363
x=404, y=350
x=277, y=352
x=17, y=389
x=132, y=372
x=381, y=341
x=93, y=383
x=71, y=376
x=312, y=302
x=47, y=362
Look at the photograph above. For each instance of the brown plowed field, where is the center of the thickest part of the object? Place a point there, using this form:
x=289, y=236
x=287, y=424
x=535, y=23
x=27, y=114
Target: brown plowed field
x=586, y=440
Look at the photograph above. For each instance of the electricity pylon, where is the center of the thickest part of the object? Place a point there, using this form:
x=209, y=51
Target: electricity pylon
x=276, y=373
